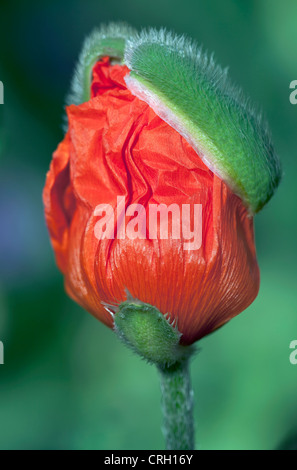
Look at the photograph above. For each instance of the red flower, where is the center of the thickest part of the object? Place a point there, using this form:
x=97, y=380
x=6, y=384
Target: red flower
x=117, y=146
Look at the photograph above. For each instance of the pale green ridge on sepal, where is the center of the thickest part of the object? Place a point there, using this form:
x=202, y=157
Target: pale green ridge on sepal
x=108, y=40
x=194, y=95
x=149, y=333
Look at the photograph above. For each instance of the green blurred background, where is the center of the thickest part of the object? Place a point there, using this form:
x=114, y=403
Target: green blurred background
x=67, y=383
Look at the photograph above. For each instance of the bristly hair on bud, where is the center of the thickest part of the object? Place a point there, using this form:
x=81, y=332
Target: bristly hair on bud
x=149, y=333
x=195, y=96
x=108, y=40
x=191, y=93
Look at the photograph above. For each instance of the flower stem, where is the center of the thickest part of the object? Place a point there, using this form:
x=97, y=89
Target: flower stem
x=177, y=406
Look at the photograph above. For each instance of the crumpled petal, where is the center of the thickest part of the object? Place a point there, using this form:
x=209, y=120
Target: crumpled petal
x=117, y=146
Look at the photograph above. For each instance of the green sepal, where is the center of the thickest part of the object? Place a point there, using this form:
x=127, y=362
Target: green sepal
x=194, y=95
x=106, y=41
x=149, y=333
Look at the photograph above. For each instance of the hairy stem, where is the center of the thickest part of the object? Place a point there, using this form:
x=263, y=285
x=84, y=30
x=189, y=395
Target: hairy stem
x=177, y=406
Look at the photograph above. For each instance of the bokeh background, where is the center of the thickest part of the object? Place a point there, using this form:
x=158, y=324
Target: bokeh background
x=67, y=383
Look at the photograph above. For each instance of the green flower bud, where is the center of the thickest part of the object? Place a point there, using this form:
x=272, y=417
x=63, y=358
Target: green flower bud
x=150, y=334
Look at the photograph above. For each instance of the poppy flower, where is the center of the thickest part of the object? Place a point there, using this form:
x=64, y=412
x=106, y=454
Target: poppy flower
x=158, y=127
